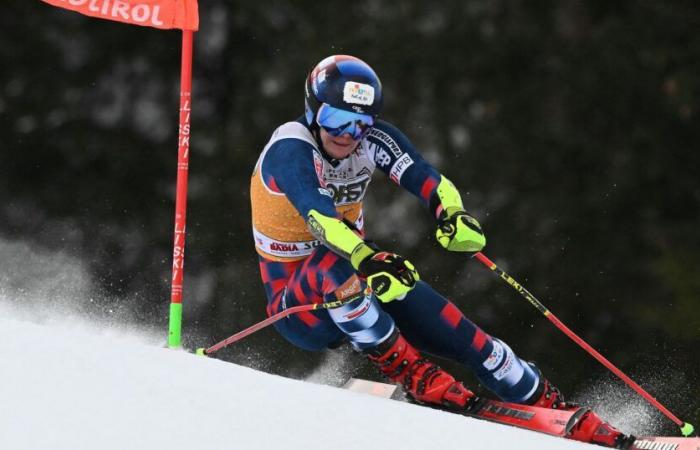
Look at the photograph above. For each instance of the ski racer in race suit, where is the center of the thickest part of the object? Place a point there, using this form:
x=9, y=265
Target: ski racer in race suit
x=307, y=190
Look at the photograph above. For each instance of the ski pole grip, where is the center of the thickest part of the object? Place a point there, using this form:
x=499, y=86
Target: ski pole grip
x=483, y=259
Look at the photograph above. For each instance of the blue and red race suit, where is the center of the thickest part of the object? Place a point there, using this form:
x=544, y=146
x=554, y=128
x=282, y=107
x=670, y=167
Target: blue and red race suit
x=292, y=176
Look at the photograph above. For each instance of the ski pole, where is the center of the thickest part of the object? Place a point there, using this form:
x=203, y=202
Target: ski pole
x=279, y=316
x=686, y=428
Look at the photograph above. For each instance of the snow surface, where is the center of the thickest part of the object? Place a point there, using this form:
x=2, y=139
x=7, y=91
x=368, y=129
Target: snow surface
x=81, y=387
x=76, y=372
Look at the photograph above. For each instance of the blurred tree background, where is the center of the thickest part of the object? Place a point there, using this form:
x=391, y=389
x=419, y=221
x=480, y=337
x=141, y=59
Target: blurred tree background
x=570, y=126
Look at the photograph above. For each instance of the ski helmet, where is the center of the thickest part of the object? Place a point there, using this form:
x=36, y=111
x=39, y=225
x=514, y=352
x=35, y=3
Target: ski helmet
x=342, y=94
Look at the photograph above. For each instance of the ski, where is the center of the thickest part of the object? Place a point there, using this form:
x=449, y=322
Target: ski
x=560, y=423
x=666, y=443
x=543, y=420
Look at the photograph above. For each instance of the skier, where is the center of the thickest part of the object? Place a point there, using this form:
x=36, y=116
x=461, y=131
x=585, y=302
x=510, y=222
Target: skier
x=306, y=194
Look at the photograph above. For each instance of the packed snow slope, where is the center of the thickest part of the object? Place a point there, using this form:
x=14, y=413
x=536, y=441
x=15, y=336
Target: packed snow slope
x=80, y=388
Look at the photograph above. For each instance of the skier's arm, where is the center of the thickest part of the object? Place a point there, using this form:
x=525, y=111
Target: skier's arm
x=389, y=275
x=396, y=156
x=288, y=167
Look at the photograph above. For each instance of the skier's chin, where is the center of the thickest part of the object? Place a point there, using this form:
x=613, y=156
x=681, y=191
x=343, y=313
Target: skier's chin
x=340, y=150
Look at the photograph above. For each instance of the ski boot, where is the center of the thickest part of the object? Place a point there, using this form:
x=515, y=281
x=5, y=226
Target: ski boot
x=548, y=396
x=589, y=428
x=421, y=379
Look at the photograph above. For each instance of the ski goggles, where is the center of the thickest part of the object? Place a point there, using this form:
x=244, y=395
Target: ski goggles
x=338, y=122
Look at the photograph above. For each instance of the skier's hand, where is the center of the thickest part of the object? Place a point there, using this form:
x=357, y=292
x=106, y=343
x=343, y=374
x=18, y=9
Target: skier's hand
x=389, y=275
x=459, y=232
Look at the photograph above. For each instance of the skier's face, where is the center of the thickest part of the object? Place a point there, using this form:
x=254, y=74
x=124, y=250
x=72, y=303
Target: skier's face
x=338, y=147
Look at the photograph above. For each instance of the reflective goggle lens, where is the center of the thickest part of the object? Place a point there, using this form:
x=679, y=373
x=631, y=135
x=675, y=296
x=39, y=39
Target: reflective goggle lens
x=338, y=122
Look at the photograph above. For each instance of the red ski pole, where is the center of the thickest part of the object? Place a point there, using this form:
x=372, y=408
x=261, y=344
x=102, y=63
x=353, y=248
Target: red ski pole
x=686, y=428
x=279, y=316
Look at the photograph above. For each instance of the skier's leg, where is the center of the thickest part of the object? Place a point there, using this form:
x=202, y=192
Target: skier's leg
x=286, y=286
x=331, y=277
x=422, y=379
x=325, y=276
x=435, y=325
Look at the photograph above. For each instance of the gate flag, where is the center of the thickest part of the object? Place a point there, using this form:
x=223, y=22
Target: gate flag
x=165, y=14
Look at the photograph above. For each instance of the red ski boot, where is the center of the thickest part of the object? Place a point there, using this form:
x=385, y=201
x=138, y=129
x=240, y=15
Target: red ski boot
x=593, y=429
x=589, y=428
x=423, y=380
x=548, y=396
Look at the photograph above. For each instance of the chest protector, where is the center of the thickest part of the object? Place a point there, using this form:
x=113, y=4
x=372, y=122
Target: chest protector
x=279, y=230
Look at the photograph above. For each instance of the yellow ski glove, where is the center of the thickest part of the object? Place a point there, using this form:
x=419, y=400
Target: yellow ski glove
x=459, y=232
x=389, y=275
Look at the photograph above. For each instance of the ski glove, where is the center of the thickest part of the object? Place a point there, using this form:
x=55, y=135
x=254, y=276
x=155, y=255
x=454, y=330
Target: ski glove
x=459, y=232
x=389, y=275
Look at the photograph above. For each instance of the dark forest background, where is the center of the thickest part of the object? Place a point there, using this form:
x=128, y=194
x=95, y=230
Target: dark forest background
x=571, y=128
